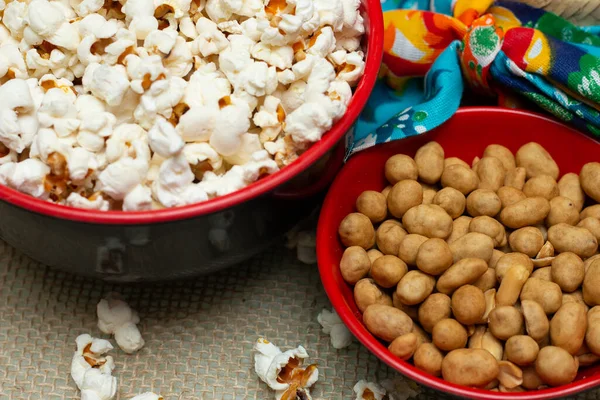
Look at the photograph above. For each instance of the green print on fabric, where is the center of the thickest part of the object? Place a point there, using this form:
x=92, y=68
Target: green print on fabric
x=562, y=29
x=483, y=41
x=419, y=116
x=595, y=131
x=550, y=106
x=586, y=81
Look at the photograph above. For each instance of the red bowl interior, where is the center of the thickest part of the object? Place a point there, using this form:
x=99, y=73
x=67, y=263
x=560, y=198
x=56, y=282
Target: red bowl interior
x=373, y=43
x=465, y=135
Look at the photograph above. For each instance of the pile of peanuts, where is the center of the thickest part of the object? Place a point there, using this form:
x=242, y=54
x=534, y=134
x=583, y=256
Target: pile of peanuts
x=486, y=275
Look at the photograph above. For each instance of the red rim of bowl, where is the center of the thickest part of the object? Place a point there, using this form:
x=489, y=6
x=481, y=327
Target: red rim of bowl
x=330, y=139
x=368, y=340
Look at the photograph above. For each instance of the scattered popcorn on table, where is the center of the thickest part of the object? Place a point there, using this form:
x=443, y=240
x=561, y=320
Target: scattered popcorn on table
x=400, y=388
x=91, y=371
x=115, y=317
x=369, y=391
x=283, y=371
x=147, y=396
x=333, y=326
x=96, y=97
x=306, y=248
x=305, y=244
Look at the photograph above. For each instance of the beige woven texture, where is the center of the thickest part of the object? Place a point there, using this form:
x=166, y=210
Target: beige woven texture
x=199, y=333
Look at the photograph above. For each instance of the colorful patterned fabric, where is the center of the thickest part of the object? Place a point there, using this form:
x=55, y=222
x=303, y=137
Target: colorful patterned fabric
x=432, y=48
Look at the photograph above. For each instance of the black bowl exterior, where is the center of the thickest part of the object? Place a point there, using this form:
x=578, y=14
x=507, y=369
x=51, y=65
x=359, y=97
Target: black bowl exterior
x=169, y=250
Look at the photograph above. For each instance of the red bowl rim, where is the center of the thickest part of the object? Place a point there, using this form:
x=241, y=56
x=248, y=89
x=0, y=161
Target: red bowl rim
x=374, y=346
x=314, y=153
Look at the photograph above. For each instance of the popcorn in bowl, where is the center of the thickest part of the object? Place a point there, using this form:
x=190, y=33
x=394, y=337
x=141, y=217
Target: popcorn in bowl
x=157, y=104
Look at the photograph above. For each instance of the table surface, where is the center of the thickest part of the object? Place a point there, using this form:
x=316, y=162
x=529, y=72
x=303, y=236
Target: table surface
x=199, y=333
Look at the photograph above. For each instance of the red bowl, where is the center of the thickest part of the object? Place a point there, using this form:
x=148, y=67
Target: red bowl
x=465, y=135
x=196, y=239
x=371, y=10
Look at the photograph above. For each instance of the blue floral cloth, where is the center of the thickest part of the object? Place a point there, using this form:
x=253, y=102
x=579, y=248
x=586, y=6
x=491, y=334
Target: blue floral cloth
x=560, y=80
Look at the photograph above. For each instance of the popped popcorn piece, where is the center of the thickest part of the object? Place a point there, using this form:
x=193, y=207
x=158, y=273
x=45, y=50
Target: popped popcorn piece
x=250, y=145
x=281, y=57
x=187, y=28
x=27, y=176
x=142, y=25
x=115, y=317
x=122, y=176
x=231, y=123
x=58, y=111
x=286, y=76
x=108, y=83
x=319, y=79
x=283, y=371
x=400, y=388
x=352, y=68
x=124, y=112
x=49, y=21
x=81, y=163
x=164, y=139
x=258, y=79
x=293, y=97
x=221, y=10
x=236, y=58
x=86, y=7
x=138, y=199
x=147, y=396
x=368, y=390
x=322, y=42
x=174, y=186
x=179, y=62
x=143, y=70
x=14, y=18
x=160, y=41
x=270, y=118
x=124, y=141
x=210, y=39
x=96, y=124
x=331, y=12
x=230, y=27
x=334, y=326
x=176, y=7
x=96, y=202
x=98, y=386
x=239, y=176
x=12, y=61
x=308, y=122
x=202, y=157
x=207, y=87
x=306, y=250
x=351, y=13
x=91, y=370
x=135, y=8
x=197, y=124
x=18, y=121
x=307, y=14
x=159, y=100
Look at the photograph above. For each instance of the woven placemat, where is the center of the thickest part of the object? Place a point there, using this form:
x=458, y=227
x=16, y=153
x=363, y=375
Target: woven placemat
x=199, y=333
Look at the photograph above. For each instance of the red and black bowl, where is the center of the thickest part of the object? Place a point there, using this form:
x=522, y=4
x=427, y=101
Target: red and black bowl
x=200, y=238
